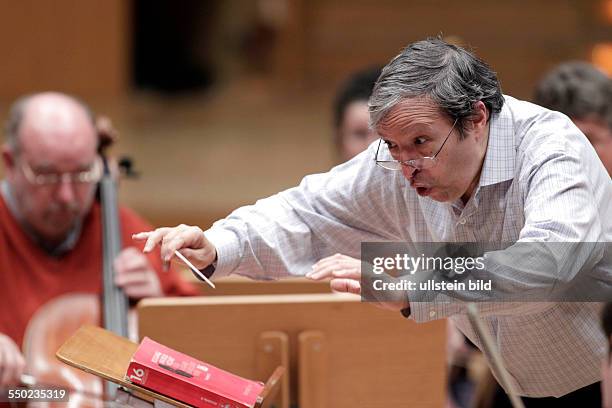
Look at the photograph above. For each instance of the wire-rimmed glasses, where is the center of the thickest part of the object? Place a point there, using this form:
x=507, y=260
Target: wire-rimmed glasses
x=418, y=164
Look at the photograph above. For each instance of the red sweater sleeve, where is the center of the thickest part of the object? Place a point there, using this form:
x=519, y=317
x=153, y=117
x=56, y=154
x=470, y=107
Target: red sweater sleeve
x=171, y=281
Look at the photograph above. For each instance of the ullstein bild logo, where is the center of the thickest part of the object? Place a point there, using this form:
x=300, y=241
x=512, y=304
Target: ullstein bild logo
x=431, y=285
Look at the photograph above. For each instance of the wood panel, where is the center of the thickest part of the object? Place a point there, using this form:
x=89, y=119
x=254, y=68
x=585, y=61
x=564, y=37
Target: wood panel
x=520, y=39
x=376, y=358
x=238, y=285
x=76, y=46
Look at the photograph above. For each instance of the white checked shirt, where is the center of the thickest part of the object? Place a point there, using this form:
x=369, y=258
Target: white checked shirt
x=541, y=182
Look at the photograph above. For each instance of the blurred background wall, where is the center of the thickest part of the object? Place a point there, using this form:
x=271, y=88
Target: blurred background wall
x=223, y=102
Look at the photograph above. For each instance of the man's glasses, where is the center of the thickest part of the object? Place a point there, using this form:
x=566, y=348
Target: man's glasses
x=418, y=164
x=53, y=179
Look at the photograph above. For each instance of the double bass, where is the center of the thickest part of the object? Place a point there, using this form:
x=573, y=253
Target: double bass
x=58, y=319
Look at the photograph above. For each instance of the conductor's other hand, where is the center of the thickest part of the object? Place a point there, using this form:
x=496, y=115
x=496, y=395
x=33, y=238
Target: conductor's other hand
x=344, y=271
x=188, y=240
x=12, y=363
x=345, y=275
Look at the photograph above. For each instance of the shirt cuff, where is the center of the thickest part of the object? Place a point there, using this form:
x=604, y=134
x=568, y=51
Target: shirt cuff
x=440, y=307
x=228, y=250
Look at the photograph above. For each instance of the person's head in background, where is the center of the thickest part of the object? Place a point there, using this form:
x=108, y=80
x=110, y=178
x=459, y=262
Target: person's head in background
x=584, y=93
x=351, y=117
x=51, y=163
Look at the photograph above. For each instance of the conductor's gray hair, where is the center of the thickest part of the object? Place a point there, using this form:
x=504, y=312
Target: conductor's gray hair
x=451, y=77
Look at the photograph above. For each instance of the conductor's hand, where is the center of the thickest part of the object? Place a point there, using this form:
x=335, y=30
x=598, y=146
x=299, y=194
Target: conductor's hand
x=12, y=363
x=188, y=240
x=345, y=275
x=344, y=272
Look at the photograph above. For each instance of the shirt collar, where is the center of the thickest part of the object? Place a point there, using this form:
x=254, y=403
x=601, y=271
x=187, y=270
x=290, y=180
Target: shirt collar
x=9, y=199
x=500, y=157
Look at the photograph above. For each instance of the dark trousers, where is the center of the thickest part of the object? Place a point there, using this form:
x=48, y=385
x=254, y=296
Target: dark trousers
x=586, y=397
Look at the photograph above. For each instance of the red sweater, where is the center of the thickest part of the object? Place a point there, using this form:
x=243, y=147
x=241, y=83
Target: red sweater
x=29, y=277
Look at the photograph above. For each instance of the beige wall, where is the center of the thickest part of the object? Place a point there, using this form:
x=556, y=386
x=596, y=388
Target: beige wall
x=250, y=136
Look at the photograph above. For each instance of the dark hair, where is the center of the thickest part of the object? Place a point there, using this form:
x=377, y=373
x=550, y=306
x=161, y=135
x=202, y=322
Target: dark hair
x=452, y=77
x=357, y=87
x=577, y=89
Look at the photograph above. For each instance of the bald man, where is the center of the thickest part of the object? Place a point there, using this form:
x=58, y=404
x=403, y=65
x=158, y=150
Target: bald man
x=50, y=230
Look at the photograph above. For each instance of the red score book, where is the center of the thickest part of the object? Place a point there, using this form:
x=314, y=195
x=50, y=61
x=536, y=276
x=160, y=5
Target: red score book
x=186, y=379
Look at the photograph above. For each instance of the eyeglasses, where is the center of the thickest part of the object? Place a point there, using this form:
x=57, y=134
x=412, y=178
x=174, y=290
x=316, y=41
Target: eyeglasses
x=418, y=164
x=52, y=179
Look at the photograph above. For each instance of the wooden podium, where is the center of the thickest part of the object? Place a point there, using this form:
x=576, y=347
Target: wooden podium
x=106, y=355
x=338, y=352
